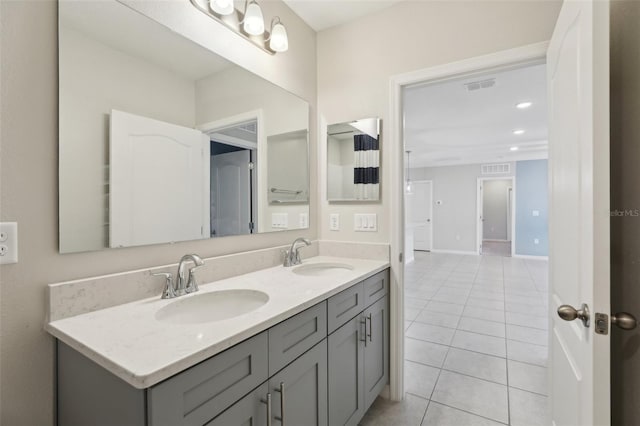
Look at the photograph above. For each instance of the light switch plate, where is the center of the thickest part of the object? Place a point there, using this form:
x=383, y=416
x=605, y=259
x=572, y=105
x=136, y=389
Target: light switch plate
x=334, y=221
x=8, y=242
x=365, y=222
x=279, y=220
x=303, y=220
x=536, y=213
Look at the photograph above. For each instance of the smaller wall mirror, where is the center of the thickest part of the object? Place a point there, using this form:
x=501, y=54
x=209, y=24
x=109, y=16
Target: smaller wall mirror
x=353, y=161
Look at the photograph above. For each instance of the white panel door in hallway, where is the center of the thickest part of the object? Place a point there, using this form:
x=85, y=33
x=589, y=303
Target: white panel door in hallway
x=578, y=80
x=230, y=193
x=420, y=214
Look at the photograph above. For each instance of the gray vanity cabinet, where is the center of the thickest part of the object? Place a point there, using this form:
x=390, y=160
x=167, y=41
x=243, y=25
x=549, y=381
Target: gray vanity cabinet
x=250, y=410
x=346, y=373
x=376, y=351
x=300, y=390
x=358, y=352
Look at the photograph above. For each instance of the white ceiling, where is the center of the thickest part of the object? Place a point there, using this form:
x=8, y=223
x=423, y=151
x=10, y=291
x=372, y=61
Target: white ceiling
x=323, y=14
x=446, y=124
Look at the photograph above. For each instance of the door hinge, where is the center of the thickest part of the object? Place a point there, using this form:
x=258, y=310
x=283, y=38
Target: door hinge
x=251, y=165
x=400, y=257
x=251, y=226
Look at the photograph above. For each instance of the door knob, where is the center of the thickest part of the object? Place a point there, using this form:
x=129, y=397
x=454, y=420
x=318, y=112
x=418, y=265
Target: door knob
x=569, y=313
x=624, y=320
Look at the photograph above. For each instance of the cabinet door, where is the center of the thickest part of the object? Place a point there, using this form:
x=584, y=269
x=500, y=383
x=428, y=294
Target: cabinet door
x=346, y=379
x=376, y=351
x=300, y=390
x=249, y=411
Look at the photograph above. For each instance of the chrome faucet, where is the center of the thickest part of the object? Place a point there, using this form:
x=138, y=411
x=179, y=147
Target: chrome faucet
x=292, y=256
x=191, y=285
x=181, y=288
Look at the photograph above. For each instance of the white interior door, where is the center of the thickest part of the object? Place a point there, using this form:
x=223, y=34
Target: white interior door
x=421, y=214
x=230, y=194
x=578, y=80
x=158, y=182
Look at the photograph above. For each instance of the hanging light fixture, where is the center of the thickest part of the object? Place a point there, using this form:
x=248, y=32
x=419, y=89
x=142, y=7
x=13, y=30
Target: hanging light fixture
x=408, y=182
x=278, y=40
x=253, y=21
x=248, y=24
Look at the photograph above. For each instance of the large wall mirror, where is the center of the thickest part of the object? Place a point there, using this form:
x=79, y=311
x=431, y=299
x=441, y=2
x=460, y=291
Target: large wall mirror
x=353, y=161
x=162, y=140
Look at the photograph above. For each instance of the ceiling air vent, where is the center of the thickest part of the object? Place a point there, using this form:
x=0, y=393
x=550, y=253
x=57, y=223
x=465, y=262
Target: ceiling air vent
x=495, y=169
x=251, y=127
x=480, y=84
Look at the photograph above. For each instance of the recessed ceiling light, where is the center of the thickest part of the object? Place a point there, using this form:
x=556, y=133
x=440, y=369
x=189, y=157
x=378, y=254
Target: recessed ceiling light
x=513, y=148
x=524, y=105
x=518, y=132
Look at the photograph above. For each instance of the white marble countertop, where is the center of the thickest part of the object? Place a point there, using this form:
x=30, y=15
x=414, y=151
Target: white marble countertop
x=131, y=343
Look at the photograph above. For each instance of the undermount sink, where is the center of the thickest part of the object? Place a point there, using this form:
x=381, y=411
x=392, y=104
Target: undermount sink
x=322, y=269
x=213, y=306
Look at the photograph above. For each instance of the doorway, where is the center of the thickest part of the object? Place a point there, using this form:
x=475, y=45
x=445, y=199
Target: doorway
x=496, y=216
x=420, y=215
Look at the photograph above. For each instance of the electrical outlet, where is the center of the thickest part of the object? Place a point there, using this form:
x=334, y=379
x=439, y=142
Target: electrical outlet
x=9, y=240
x=334, y=221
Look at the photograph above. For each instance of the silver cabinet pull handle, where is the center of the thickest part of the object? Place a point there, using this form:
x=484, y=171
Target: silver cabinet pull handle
x=370, y=329
x=364, y=336
x=281, y=391
x=569, y=313
x=268, y=402
x=624, y=320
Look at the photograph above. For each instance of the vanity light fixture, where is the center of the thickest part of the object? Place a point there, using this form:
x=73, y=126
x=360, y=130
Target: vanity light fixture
x=518, y=132
x=253, y=21
x=524, y=105
x=408, y=183
x=248, y=24
x=222, y=7
x=278, y=40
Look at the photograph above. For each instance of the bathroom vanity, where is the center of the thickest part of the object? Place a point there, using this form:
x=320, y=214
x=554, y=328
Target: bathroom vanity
x=316, y=353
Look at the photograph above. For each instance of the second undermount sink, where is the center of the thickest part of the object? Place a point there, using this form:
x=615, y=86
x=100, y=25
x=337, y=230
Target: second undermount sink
x=322, y=269
x=213, y=306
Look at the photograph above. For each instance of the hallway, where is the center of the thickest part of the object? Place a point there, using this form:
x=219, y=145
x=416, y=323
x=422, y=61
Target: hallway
x=471, y=356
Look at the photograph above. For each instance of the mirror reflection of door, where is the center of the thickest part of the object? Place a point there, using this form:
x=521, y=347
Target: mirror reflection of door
x=421, y=214
x=233, y=181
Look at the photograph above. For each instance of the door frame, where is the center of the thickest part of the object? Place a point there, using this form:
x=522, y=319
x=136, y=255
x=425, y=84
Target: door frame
x=480, y=210
x=431, y=204
x=524, y=55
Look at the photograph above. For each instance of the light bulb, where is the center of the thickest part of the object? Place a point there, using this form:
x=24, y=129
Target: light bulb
x=253, y=20
x=408, y=186
x=222, y=7
x=278, y=41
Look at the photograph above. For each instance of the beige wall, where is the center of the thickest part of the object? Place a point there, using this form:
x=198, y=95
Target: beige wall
x=356, y=60
x=625, y=195
x=29, y=189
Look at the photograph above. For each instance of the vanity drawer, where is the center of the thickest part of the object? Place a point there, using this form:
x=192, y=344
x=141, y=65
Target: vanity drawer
x=294, y=336
x=200, y=393
x=344, y=306
x=376, y=287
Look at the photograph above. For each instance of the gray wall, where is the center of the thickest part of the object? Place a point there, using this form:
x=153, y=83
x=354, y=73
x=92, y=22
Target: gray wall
x=29, y=176
x=454, y=221
x=625, y=195
x=532, y=195
x=495, y=209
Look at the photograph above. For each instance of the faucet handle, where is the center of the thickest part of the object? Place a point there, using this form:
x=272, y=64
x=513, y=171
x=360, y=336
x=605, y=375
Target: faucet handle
x=169, y=291
x=192, y=284
x=287, y=257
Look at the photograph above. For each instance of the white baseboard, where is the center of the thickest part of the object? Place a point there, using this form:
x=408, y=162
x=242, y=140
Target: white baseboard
x=531, y=257
x=497, y=241
x=454, y=252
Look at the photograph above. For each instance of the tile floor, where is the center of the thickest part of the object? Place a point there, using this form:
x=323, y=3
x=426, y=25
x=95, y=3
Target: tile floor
x=472, y=357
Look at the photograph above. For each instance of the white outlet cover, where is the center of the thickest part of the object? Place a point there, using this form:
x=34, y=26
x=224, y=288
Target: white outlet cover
x=535, y=213
x=536, y=241
x=9, y=250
